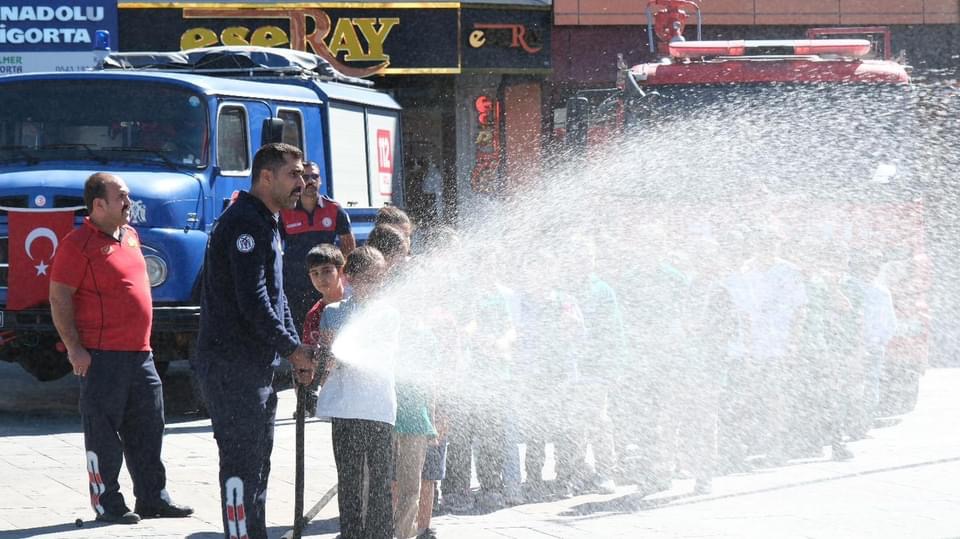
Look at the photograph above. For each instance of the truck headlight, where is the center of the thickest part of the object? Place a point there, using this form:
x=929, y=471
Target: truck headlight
x=156, y=270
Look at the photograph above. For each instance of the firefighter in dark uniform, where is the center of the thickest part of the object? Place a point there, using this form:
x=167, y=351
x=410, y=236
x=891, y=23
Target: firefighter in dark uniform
x=245, y=328
x=101, y=305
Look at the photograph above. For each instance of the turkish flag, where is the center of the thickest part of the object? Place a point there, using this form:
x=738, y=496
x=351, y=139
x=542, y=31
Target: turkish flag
x=33, y=240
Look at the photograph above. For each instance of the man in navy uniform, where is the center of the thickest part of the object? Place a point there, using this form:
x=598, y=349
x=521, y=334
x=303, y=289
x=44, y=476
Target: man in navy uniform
x=245, y=328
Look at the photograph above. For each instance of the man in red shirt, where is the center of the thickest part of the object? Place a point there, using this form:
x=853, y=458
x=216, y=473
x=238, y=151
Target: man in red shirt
x=101, y=305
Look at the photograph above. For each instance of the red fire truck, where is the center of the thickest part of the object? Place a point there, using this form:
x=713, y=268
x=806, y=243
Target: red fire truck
x=843, y=173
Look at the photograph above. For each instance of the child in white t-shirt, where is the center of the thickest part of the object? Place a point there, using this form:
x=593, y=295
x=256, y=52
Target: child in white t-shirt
x=357, y=340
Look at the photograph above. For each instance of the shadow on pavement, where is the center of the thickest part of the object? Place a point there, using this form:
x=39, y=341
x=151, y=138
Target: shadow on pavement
x=328, y=525
x=315, y=527
x=629, y=503
x=56, y=530
x=635, y=502
x=185, y=428
x=38, y=423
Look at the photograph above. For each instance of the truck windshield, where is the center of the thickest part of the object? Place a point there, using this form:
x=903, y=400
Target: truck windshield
x=833, y=138
x=102, y=120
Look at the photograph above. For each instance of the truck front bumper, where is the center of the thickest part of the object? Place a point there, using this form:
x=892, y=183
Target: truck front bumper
x=175, y=319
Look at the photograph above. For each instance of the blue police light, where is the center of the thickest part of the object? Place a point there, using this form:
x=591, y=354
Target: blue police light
x=101, y=40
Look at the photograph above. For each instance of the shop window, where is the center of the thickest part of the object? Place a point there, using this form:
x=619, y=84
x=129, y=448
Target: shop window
x=292, y=127
x=232, y=139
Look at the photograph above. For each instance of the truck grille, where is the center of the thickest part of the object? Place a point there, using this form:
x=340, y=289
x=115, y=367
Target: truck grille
x=61, y=201
x=17, y=201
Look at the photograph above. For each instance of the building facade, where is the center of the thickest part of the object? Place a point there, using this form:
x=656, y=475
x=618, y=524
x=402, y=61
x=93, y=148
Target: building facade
x=469, y=76
x=588, y=34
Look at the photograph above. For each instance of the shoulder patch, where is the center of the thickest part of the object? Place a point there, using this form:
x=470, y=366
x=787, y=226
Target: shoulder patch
x=245, y=243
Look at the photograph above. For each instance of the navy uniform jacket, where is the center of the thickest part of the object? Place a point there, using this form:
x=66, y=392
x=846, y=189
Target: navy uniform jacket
x=244, y=316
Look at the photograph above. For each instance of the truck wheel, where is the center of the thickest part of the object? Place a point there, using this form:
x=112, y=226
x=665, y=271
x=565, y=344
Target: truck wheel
x=45, y=365
x=199, y=401
x=162, y=368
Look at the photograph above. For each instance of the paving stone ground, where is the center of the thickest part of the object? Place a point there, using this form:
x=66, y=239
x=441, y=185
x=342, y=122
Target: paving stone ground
x=904, y=482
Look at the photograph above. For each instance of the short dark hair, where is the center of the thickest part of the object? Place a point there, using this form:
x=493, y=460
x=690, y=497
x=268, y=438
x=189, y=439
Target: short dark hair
x=272, y=156
x=310, y=164
x=392, y=215
x=435, y=239
x=325, y=253
x=95, y=187
x=389, y=240
x=363, y=259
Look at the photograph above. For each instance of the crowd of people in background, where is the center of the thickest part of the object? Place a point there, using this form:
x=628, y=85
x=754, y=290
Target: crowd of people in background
x=433, y=355
x=719, y=360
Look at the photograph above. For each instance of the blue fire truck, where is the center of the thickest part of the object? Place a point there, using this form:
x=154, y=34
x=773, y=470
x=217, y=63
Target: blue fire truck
x=181, y=128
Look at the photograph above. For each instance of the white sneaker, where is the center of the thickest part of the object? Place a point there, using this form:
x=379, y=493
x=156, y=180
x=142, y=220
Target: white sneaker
x=604, y=484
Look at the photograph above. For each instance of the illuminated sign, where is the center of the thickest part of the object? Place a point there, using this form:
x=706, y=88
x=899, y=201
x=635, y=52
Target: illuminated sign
x=376, y=39
x=506, y=40
x=355, y=39
x=518, y=36
x=485, y=175
x=358, y=42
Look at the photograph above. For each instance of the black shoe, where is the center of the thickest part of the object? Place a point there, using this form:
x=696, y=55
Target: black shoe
x=428, y=533
x=123, y=516
x=310, y=409
x=163, y=509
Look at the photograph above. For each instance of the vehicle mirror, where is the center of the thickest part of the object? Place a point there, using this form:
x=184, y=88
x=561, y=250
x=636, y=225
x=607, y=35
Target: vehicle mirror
x=272, y=131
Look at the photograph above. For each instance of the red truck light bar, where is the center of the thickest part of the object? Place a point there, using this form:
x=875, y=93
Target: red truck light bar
x=852, y=48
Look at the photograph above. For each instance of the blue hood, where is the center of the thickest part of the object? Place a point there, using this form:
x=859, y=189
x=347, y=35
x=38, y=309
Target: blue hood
x=162, y=198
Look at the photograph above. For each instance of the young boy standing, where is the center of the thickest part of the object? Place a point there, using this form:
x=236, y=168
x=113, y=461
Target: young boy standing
x=359, y=395
x=325, y=268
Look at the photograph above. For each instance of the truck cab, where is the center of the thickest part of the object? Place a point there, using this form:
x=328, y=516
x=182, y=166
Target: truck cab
x=182, y=132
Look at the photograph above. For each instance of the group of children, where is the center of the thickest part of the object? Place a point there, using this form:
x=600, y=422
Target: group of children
x=381, y=429
x=490, y=362
x=465, y=375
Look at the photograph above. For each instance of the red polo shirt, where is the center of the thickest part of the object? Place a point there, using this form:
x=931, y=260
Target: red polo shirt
x=112, y=306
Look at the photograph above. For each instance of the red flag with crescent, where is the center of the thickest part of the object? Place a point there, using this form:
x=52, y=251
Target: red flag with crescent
x=32, y=243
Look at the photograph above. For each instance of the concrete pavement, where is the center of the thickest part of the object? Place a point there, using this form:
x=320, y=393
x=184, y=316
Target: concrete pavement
x=902, y=483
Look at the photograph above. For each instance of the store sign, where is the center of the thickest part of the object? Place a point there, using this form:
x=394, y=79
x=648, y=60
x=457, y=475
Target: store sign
x=358, y=42
x=357, y=39
x=385, y=161
x=518, y=39
x=53, y=25
x=507, y=40
x=34, y=62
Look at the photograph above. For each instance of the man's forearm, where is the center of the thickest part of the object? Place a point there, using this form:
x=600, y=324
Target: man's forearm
x=61, y=309
x=347, y=244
